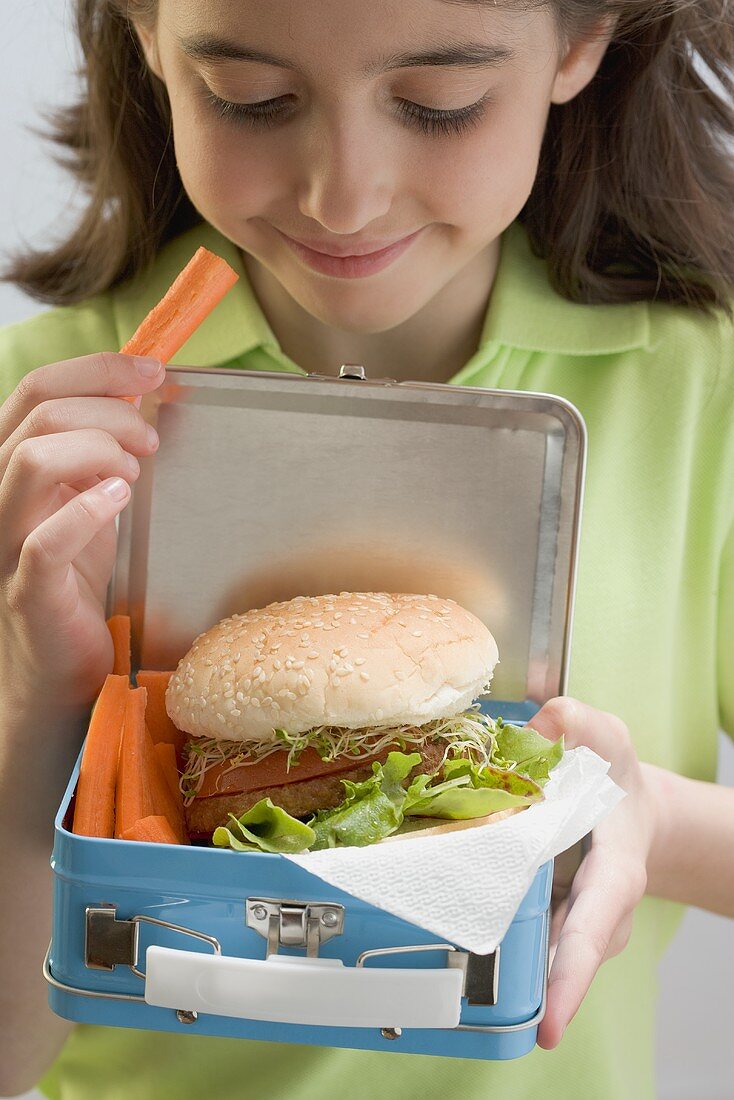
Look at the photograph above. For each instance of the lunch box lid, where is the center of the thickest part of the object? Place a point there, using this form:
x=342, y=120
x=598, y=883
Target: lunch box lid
x=271, y=485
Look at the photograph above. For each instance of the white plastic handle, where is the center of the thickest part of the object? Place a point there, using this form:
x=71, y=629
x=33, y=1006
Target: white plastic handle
x=295, y=990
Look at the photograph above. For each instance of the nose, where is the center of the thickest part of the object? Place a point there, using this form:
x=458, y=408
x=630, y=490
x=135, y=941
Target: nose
x=347, y=180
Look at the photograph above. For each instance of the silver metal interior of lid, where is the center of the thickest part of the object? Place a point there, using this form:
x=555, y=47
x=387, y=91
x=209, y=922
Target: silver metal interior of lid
x=267, y=486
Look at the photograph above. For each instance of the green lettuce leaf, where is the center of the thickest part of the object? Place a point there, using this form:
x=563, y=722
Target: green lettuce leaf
x=529, y=752
x=264, y=828
x=470, y=790
x=372, y=809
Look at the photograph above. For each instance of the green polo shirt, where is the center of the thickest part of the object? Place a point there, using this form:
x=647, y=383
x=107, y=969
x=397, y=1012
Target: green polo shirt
x=653, y=641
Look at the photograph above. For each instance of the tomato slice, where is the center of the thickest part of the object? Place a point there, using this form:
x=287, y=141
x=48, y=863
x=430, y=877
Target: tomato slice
x=272, y=772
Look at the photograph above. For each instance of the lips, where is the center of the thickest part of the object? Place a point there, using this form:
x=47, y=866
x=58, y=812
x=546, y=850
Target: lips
x=354, y=265
x=355, y=250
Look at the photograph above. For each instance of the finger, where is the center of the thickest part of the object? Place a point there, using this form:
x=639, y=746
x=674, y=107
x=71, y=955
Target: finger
x=596, y=927
x=118, y=418
x=45, y=580
x=581, y=724
x=104, y=374
x=29, y=490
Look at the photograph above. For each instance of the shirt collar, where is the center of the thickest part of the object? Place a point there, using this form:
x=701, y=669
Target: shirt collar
x=524, y=310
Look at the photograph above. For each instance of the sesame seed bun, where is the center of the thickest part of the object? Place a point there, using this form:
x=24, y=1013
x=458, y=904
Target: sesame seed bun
x=350, y=660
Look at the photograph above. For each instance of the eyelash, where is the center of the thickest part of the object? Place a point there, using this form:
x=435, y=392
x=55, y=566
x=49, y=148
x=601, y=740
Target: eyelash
x=429, y=119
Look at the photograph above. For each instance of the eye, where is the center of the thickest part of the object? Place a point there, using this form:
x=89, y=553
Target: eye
x=428, y=119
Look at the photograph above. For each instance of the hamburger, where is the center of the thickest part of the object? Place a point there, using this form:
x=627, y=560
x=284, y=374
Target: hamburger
x=344, y=719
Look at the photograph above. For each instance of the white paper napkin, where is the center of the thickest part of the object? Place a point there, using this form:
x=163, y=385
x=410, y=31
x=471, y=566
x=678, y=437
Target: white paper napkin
x=466, y=886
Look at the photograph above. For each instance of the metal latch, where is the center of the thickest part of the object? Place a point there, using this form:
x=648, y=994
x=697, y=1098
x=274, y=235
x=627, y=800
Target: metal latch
x=298, y=924
x=353, y=370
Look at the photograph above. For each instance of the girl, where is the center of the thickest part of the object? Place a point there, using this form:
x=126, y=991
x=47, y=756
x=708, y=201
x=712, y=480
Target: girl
x=529, y=195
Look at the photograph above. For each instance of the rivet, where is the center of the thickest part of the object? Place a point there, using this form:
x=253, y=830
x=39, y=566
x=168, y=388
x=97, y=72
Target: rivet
x=391, y=1032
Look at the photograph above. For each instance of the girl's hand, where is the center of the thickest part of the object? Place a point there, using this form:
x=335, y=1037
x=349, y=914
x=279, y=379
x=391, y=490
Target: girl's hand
x=67, y=456
x=592, y=919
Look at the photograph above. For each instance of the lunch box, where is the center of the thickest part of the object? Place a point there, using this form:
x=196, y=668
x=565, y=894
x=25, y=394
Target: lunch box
x=271, y=485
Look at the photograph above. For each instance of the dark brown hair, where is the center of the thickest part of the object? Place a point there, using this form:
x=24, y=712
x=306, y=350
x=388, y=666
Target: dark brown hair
x=634, y=195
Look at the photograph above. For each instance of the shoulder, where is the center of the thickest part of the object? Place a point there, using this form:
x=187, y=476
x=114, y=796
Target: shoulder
x=53, y=336
x=696, y=347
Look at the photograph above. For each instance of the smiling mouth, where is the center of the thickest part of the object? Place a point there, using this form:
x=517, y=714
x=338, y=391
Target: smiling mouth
x=353, y=265
x=356, y=250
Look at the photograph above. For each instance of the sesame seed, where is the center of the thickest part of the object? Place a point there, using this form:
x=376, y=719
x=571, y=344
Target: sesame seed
x=363, y=635
x=359, y=660
x=255, y=702
x=277, y=664
x=312, y=656
x=417, y=633
x=235, y=712
x=256, y=671
x=364, y=675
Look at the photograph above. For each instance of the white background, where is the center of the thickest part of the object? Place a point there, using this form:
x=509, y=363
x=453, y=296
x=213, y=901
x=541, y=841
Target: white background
x=37, y=201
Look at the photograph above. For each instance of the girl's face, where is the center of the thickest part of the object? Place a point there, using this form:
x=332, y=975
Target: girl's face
x=348, y=140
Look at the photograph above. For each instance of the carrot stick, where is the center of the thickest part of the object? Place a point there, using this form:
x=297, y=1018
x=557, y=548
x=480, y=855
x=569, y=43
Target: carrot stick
x=166, y=754
x=160, y=725
x=192, y=296
x=155, y=829
x=134, y=797
x=119, y=628
x=142, y=790
x=172, y=804
x=94, y=810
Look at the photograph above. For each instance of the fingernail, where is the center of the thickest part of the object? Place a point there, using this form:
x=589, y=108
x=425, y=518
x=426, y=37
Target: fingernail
x=116, y=488
x=148, y=368
x=133, y=464
x=152, y=436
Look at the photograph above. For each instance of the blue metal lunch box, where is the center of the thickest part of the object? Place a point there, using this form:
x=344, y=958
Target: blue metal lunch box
x=208, y=941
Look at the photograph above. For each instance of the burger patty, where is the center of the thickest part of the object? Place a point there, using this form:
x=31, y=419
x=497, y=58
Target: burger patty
x=300, y=799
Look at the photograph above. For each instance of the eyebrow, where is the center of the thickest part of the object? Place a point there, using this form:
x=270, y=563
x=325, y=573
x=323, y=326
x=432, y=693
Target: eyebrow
x=467, y=54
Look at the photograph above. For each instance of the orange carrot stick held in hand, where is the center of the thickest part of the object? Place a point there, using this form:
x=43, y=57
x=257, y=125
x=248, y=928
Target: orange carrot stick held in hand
x=189, y=300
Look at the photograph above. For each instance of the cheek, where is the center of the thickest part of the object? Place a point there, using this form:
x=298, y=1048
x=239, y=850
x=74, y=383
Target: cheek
x=493, y=168
x=223, y=168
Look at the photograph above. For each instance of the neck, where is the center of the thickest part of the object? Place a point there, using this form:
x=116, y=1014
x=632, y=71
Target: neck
x=431, y=346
